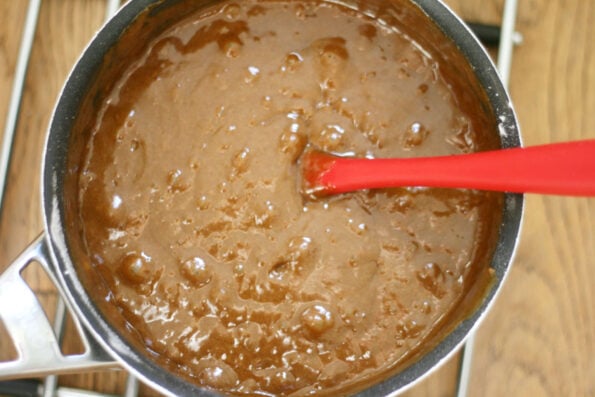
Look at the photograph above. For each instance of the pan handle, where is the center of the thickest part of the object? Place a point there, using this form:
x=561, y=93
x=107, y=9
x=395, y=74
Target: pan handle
x=34, y=339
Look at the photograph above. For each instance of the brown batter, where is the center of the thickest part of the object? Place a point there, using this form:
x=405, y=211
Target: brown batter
x=191, y=211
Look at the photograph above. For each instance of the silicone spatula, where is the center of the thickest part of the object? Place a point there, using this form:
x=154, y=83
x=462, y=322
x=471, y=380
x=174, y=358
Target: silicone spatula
x=560, y=169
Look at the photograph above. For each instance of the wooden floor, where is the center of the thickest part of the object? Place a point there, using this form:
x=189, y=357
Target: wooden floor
x=540, y=338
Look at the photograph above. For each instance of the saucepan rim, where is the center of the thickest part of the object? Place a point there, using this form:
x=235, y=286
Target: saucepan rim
x=54, y=170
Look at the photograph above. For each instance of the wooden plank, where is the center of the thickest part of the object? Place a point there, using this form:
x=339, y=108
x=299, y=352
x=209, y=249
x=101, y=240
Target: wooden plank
x=12, y=15
x=540, y=337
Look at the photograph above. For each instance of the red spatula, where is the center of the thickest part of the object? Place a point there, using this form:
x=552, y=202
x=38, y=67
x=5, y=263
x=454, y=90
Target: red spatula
x=561, y=168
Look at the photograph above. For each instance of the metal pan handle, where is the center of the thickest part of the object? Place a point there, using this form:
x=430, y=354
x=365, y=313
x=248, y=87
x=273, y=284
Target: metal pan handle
x=36, y=344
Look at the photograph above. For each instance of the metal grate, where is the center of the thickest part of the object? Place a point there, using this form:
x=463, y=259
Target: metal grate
x=505, y=37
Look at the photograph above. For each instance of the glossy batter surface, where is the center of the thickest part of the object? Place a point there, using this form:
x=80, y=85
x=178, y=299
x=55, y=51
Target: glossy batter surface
x=191, y=211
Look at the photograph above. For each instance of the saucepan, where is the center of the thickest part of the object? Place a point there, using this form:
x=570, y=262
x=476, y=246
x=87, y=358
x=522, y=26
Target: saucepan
x=105, y=346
